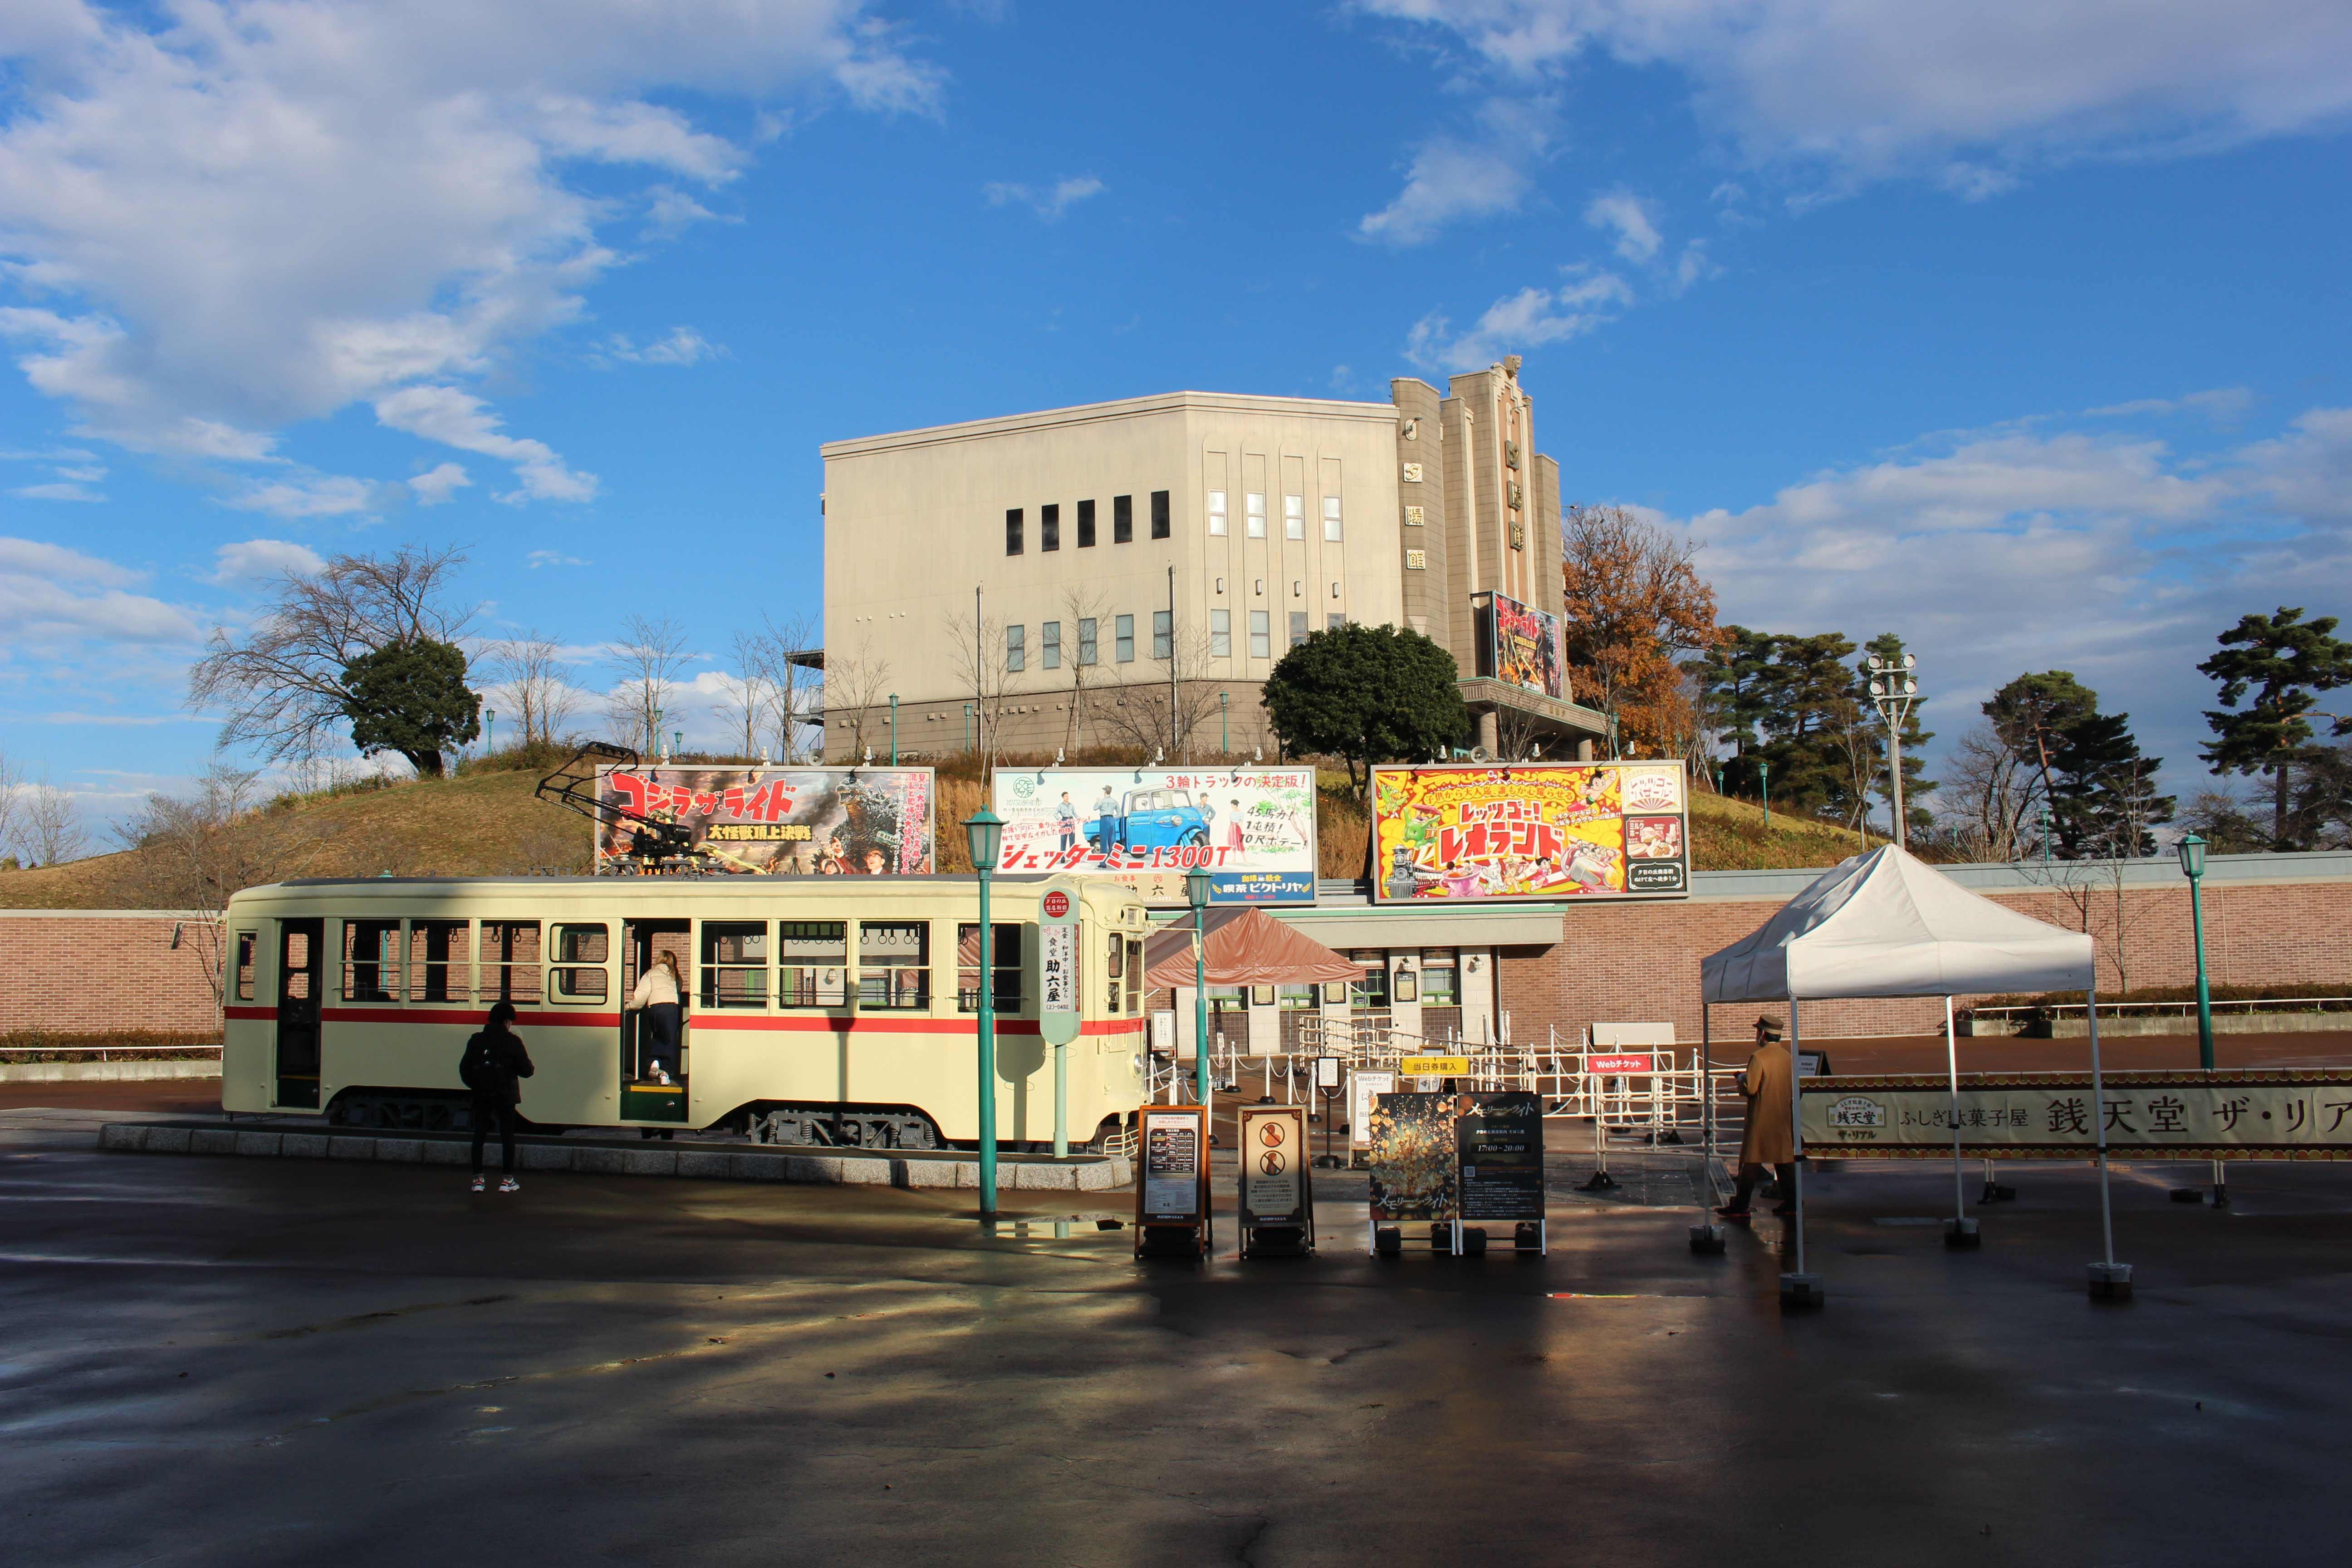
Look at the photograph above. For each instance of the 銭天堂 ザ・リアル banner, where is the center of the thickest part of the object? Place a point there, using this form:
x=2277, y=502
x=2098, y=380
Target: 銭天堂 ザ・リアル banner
x=1252, y=829
x=1531, y=830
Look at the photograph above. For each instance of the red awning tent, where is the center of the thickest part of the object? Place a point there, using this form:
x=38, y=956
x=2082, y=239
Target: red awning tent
x=1246, y=946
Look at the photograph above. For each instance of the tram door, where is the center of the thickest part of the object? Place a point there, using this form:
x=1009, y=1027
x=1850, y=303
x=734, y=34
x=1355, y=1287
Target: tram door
x=301, y=944
x=644, y=1097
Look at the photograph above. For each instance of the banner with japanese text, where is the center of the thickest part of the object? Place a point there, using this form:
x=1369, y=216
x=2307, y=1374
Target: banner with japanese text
x=777, y=822
x=2235, y=1115
x=1253, y=828
x=1529, y=830
x=1519, y=645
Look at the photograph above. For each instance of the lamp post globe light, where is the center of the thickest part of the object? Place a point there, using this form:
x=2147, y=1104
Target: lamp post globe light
x=1197, y=883
x=1764, y=787
x=1895, y=688
x=489, y=730
x=2191, y=850
x=984, y=832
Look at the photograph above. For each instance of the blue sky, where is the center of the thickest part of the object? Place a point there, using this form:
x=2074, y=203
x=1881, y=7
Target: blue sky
x=2021, y=331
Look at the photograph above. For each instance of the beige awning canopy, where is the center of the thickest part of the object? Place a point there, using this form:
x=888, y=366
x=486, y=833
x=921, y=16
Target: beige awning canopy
x=1246, y=946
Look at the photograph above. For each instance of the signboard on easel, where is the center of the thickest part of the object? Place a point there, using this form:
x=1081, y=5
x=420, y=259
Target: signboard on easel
x=1499, y=1147
x=1413, y=1162
x=1365, y=1088
x=1171, y=1189
x=1277, y=1194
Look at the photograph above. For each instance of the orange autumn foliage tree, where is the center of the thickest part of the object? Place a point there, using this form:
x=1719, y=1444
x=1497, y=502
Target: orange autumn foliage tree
x=1635, y=606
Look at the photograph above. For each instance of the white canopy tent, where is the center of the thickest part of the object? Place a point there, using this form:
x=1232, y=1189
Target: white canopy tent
x=1886, y=924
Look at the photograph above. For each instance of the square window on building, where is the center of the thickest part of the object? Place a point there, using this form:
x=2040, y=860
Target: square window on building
x=1123, y=637
x=1085, y=525
x=1089, y=653
x=1016, y=649
x=1163, y=638
x=1049, y=639
x=1049, y=527
x=1158, y=514
x=1297, y=627
x=1261, y=634
x=1293, y=516
x=1334, y=621
x=1220, y=634
x=1217, y=519
x=1253, y=504
x=1013, y=531
x=1122, y=520
x=1331, y=517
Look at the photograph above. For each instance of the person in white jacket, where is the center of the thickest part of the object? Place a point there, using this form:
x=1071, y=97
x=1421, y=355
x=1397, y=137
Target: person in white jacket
x=656, y=997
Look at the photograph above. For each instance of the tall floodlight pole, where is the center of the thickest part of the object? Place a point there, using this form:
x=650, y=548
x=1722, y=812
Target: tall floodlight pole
x=1895, y=688
x=1196, y=893
x=985, y=836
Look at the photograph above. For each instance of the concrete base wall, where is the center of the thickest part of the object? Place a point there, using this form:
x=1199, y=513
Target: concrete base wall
x=106, y=1072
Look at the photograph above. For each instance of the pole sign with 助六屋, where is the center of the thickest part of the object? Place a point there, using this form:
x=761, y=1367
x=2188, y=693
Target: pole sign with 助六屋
x=2251, y=1114
x=1057, y=966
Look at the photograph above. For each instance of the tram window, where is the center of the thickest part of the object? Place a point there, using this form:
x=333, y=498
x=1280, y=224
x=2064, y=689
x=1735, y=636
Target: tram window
x=1003, y=961
x=1114, y=971
x=734, y=964
x=1134, y=978
x=812, y=964
x=894, y=965
x=510, y=960
x=370, y=961
x=246, y=943
x=440, y=961
x=577, y=967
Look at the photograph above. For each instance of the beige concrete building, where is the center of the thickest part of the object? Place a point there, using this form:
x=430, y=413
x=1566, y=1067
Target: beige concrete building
x=1141, y=565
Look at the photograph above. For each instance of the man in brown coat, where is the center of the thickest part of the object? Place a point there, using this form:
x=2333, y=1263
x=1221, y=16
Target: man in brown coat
x=1771, y=1136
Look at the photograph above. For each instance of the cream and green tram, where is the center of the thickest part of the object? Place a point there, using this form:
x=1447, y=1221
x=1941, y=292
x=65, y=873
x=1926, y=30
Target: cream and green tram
x=840, y=1011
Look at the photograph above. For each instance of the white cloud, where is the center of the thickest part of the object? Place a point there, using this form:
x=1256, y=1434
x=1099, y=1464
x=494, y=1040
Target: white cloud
x=28, y=557
x=257, y=559
x=1449, y=181
x=1526, y=320
x=227, y=216
x=1048, y=202
x=683, y=346
x=439, y=483
x=1880, y=87
x=2223, y=404
x=458, y=419
x=63, y=490
x=309, y=495
x=50, y=594
x=1632, y=219
x=73, y=473
x=538, y=558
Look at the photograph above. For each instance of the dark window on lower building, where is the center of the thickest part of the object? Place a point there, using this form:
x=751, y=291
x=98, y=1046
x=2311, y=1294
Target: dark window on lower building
x=1163, y=636
x=1158, y=514
x=1049, y=527
x=1122, y=520
x=1013, y=531
x=1085, y=525
x=1297, y=627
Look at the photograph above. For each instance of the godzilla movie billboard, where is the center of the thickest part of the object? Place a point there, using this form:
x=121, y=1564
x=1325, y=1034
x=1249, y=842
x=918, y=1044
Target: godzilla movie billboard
x=1519, y=645
x=776, y=822
x=1529, y=830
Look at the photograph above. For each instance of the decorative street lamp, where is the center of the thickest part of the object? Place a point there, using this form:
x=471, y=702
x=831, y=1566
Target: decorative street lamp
x=2192, y=865
x=489, y=730
x=2043, y=810
x=1197, y=883
x=1893, y=688
x=894, y=728
x=1224, y=725
x=653, y=733
x=984, y=832
x=1764, y=787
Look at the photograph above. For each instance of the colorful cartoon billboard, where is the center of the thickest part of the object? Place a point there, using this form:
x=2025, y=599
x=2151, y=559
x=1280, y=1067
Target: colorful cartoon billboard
x=1529, y=830
x=1253, y=828
x=775, y=822
x=1519, y=645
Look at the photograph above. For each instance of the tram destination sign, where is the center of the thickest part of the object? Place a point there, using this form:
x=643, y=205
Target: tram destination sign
x=1531, y=830
x=774, y=822
x=1253, y=828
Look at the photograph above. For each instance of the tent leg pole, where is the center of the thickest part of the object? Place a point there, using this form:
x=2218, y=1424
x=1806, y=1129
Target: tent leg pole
x=1705, y=1237
x=2110, y=1281
x=1963, y=1230
x=1799, y=1289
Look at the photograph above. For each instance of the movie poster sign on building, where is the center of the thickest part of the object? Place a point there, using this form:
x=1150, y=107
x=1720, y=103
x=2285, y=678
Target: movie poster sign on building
x=1531, y=830
x=1254, y=828
x=1519, y=645
x=776, y=822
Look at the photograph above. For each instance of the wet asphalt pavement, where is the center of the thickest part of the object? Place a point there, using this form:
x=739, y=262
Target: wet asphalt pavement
x=222, y=1361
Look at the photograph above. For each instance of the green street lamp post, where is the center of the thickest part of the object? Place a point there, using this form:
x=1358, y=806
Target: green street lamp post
x=489, y=731
x=967, y=726
x=1224, y=726
x=985, y=836
x=2192, y=865
x=653, y=733
x=1764, y=786
x=894, y=728
x=2045, y=813
x=1196, y=893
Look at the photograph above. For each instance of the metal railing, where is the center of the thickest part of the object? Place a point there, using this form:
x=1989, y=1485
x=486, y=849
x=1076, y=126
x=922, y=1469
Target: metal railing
x=2185, y=1009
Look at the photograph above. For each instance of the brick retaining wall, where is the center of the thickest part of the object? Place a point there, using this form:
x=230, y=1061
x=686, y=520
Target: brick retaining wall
x=96, y=971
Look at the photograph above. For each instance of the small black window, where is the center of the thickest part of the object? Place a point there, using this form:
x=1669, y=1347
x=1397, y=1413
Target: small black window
x=1013, y=531
x=1049, y=527
x=1158, y=514
x=1122, y=520
x=1085, y=525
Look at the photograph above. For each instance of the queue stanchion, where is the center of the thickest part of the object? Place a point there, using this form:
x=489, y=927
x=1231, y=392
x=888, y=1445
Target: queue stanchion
x=1327, y=1085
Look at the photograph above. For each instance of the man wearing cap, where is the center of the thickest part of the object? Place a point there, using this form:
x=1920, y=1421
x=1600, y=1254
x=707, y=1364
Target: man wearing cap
x=1769, y=1139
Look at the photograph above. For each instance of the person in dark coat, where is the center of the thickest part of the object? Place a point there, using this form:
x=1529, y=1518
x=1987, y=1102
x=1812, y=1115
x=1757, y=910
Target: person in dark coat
x=1770, y=1137
x=493, y=1067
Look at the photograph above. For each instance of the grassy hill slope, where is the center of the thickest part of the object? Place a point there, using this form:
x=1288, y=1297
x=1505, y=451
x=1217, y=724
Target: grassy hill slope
x=487, y=823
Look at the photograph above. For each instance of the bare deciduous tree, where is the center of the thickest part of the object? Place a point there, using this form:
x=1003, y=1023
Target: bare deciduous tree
x=280, y=684
x=10, y=806
x=790, y=686
x=536, y=679
x=855, y=684
x=977, y=655
x=51, y=829
x=1989, y=792
x=652, y=656
x=750, y=692
x=1166, y=714
x=1082, y=612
